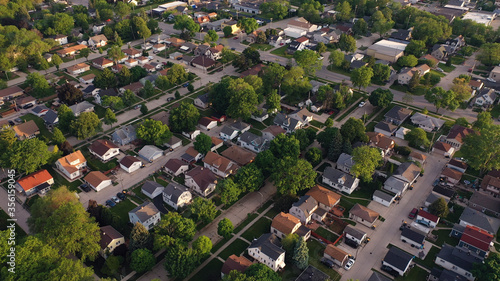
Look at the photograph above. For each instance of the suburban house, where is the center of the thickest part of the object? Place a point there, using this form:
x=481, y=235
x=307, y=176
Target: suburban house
x=385, y=128
x=403, y=177
x=288, y=123
x=458, y=165
x=471, y=217
x=228, y=133
x=486, y=97
x=26, y=100
x=104, y=149
x=398, y=260
x=272, y=131
x=491, y=185
x=150, y=153
x=495, y=73
x=191, y=135
x=239, y=155
x=219, y=165
x=363, y=215
x=97, y=180
x=476, y=84
x=253, y=142
x=267, y=250
x=413, y=237
x=38, y=182
x=87, y=79
x=131, y=62
x=383, y=198
x=254, y=70
x=202, y=101
x=78, y=68
x=234, y=262
x=10, y=93
x=40, y=110
x=387, y=50
x=50, y=118
x=443, y=148
x=26, y=130
x=428, y=218
x=125, y=135
x=98, y=41
x=407, y=73
x=298, y=44
x=176, y=195
x=134, y=87
x=380, y=141
x=201, y=180
x=203, y=62
x=299, y=27
x=326, y=198
x=110, y=240
x=485, y=203
x=345, y=163
x=476, y=240
x=130, y=163
x=441, y=51
x=417, y=157
x=284, y=224
x=72, y=165
x=303, y=115
x=451, y=176
x=132, y=52
x=306, y=209
x=397, y=115
x=427, y=123
x=191, y=155
x=376, y=276
x=456, y=135
x=340, y=180
x=457, y=260
x=70, y=51
x=176, y=167
x=102, y=63
x=152, y=189
x=354, y=234
x=336, y=255
x=79, y=108
x=207, y=123
x=216, y=143
x=146, y=214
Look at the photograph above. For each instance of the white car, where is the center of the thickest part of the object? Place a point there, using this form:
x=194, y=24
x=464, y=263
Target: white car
x=439, y=69
x=491, y=80
x=349, y=264
x=361, y=104
x=115, y=199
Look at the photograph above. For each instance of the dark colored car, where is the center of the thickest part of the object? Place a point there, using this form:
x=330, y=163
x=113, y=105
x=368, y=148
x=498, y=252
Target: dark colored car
x=185, y=84
x=413, y=213
x=30, y=105
x=389, y=270
x=233, y=49
x=328, y=263
x=85, y=187
x=121, y=195
x=351, y=243
x=11, y=123
x=110, y=203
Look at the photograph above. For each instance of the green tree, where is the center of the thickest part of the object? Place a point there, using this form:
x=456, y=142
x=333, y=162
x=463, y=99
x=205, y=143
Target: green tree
x=262, y=272
x=273, y=101
x=86, y=125
x=344, y=11
x=416, y=48
x=336, y=58
x=417, y=138
x=442, y=99
x=304, y=138
x=28, y=155
x=85, y=53
x=109, y=117
x=414, y=81
x=489, y=54
x=321, y=48
x=366, y=160
x=184, y=118
x=381, y=25
x=163, y=83
x=360, y=27
x=69, y=94
x=142, y=28
x=308, y=60
x=484, y=121
x=481, y=150
x=186, y=25
x=57, y=136
x=228, y=191
x=381, y=97
x=431, y=30
x=148, y=90
x=301, y=254
x=381, y=72
x=314, y=156
x=249, y=178
x=248, y=24
x=140, y=238
x=176, y=226
x=144, y=109
x=122, y=9
x=361, y=77
x=329, y=122
x=125, y=76
x=142, y=260
x=180, y=261
x=291, y=176
x=289, y=242
x=353, y=130
x=37, y=83
x=225, y=228
x=228, y=31
x=439, y=208
x=112, y=265
x=154, y=132
x=203, y=209
x=65, y=116
x=203, y=245
x=243, y=101
x=212, y=36
x=347, y=43
x=203, y=143
x=57, y=61
x=335, y=146
x=407, y=61
x=276, y=9
x=105, y=80
x=487, y=270
x=285, y=146
x=115, y=53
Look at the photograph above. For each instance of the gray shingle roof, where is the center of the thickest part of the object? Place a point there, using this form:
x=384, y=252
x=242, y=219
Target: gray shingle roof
x=151, y=186
x=335, y=175
x=413, y=235
x=478, y=219
x=311, y=273
x=398, y=113
x=145, y=211
x=269, y=245
x=306, y=203
x=388, y=127
x=378, y=277
x=80, y=107
x=357, y=233
x=394, y=183
x=50, y=117
x=458, y=257
x=175, y=191
x=398, y=258
x=384, y=195
x=345, y=160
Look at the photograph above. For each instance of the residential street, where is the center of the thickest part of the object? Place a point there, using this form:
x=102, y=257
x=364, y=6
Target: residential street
x=22, y=215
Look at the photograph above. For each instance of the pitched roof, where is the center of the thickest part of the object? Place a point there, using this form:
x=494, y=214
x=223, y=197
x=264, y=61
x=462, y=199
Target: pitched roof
x=427, y=121
x=235, y=263
x=80, y=107
x=202, y=177
x=174, y=190
x=307, y=204
x=285, y=223
x=99, y=38
x=311, y=273
x=384, y=195
x=35, y=179
x=380, y=141
x=335, y=253
x=145, y=211
x=174, y=164
x=269, y=245
x=203, y=61
x=476, y=218
x=102, y=61
x=385, y=126
x=458, y=163
x=364, y=213
x=26, y=129
x=428, y=216
x=378, y=277
x=451, y=173
x=239, y=155
x=418, y=155
x=149, y=151
x=274, y=130
x=345, y=160
x=151, y=186
x=128, y=160
x=398, y=258
x=458, y=257
x=458, y=133
x=108, y=234
x=413, y=235
x=486, y=201
x=445, y=192
x=101, y=147
x=220, y=162
x=355, y=232
x=477, y=237
x=77, y=67
x=408, y=170
x=324, y=196
x=205, y=121
x=10, y=91
x=442, y=146
x=75, y=157
x=398, y=113
x=131, y=51
x=95, y=178
x=302, y=39
x=490, y=181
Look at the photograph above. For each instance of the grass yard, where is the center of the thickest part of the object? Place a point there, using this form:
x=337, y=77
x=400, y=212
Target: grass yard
x=371, y=126
x=44, y=132
x=438, y=73
x=339, y=70
x=281, y=52
x=20, y=233
x=446, y=68
x=401, y=88
x=92, y=70
x=255, y=132
x=96, y=164
x=332, y=237
x=272, y=213
x=237, y=247
x=211, y=272
x=269, y=121
x=258, y=228
x=262, y=47
x=349, y=111
x=457, y=60
x=121, y=211
x=444, y=237
x=495, y=111
x=250, y=218
x=219, y=245
x=429, y=259
x=265, y=206
x=138, y=193
x=256, y=124
x=184, y=140
x=455, y=215
x=316, y=250
x=317, y=124
x=415, y=274
x=59, y=180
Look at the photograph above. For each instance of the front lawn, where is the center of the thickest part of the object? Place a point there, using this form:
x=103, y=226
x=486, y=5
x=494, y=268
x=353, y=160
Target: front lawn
x=121, y=211
x=316, y=251
x=211, y=272
x=255, y=132
x=249, y=218
x=236, y=248
x=96, y=164
x=444, y=237
x=262, y=47
x=260, y=227
x=415, y=274
x=317, y=124
x=44, y=132
x=257, y=125
x=281, y=52
x=495, y=111
x=446, y=68
x=59, y=180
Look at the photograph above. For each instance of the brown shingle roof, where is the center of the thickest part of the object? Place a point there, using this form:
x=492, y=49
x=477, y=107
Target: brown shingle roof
x=220, y=162
x=380, y=141
x=174, y=164
x=489, y=180
x=442, y=146
x=450, y=173
x=102, y=61
x=205, y=121
x=419, y=156
x=335, y=253
x=202, y=177
x=26, y=129
x=108, y=234
x=239, y=155
x=131, y=51
x=235, y=263
x=364, y=213
x=77, y=67
x=274, y=130
x=324, y=196
x=95, y=178
x=128, y=160
x=100, y=147
x=285, y=223
x=10, y=91
x=458, y=133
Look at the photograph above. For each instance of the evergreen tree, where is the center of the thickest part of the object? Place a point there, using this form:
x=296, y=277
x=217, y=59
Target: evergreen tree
x=347, y=148
x=140, y=238
x=301, y=255
x=335, y=148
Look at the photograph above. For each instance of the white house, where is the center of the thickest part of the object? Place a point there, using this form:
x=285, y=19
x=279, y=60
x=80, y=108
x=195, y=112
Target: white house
x=305, y=208
x=428, y=218
x=219, y=165
x=110, y=240
x=38, y=182
x=130, y=164
x=383, y=198
x=202, y=101
x=339, y=180
x=201, y=180
x=207, y=123
x=272, y=131
x=146, y=214
x=336, y=255
x=98, y=41
x=176, y=167
x=73, y=165
x=150, y=153
x=191, y=135
x=40, y=110
x=457, y=260
x=354, y=234
x=284, y=224
x=267, y=250
x=427, y=123
x=345, y=162
x=97, y=180
x=152, y=189
x=104, y=149
x=176, y=195
x=228, y=133
x=412, y=237
x=398, y=260
x=253, y=142
x=486, y=97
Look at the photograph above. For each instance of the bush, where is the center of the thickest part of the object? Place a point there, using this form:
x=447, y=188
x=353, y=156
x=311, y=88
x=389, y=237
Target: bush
x=403, y=150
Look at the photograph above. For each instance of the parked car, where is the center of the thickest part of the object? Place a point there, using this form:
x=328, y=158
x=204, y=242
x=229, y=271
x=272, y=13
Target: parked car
x=30, y=105
x=233, y=49
x=11, y=123
x=185, y=84
x=138, y=106
x=85, y=187
x=349, y=264
x=121, y=195
x=351, y=243
x=404, y=225
x=361, y=104
x=110, y=203
x=413, y=213
x=235, y=38
x=439, y=69
x=424, y=223
x=115, y=199
x=328, y=263
x=491, y=80
x=170, y=99
x=18, y=120
x=390, y=270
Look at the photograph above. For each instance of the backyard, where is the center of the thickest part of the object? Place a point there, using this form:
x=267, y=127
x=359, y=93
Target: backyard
x=258, y=228
x=44, y=132
x=121, y=211
x=316, y=250
x=236, y=248
x=444, y=237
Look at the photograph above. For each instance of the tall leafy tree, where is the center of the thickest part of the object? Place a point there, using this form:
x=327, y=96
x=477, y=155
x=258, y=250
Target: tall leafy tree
x=489, y=54
x=243, y=101
x=439, y=208
x=487, y=270
x=69, y=94
x=180, y=261
x=203, y=143
x=38, y=84
x=366, y=160
x=276, y=9
x=115, y=53
x=347, y=43
x=28, y=155
x=186, y=25
x=225, y=228
x=442, y=99
x=184, y=118
x=248, y=24
x=86, y=125
x=175, y=226
x=381, y=97
x=153, y=131
x=381, y=72
x=57, y=61
x=481, y=150
x=344, y=11
x=140, y=238
x=105, y=80
x=301, y=254
x=203, y=209
x=416, y=48
x=314, y=156
x=273, y=101
x=335, y=146
x=336, y=58
x=308, y=60
x=142, y=260
x=484, y=121
x=124, y=76
x=262, y=272
x=203, y=245
x=417, y=138
x=285, y=146
x=249, y=178
x=57, y=136
x=65, y=116
x=353, y=130
x=291, y=176
x=109, y=117
x=142, y=28
x=361, y=77
x=228, y=191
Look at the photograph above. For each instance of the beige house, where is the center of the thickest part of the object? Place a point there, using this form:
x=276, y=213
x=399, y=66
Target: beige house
x=72, y=165
x=495, y=73
x=26, y=130
x=97, y=180
x=78, y=68
x=336, y=255
x=110, y=240
x=284, y=224
x=363, y=215
x=387, y=50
